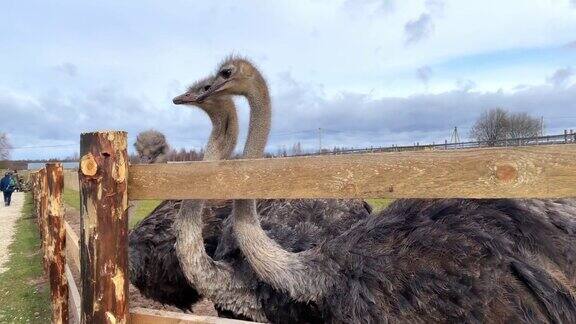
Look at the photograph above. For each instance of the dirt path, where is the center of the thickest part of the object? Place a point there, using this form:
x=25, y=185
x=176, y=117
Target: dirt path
x=8, y=217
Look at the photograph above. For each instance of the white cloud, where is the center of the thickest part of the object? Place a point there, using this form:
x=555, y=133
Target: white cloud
x=465, y=85
x=68, y=69
x=418, y=29
x=561, y=76
x=424, y=73
x=108, y=64
x=436, y=7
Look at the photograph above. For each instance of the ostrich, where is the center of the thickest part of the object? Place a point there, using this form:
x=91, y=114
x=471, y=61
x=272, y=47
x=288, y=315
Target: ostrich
x=156, y=269
x=442, y=260
x=154, y=266
x=151, y=146
x=229, y=281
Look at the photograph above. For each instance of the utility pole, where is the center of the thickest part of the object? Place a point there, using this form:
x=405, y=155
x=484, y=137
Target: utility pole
x=455, y=138
x=541, y=125
x=319, y=140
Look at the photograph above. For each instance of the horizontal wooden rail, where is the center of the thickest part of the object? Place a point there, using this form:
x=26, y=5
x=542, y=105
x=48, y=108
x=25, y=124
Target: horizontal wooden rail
x=72, y=246
x=520, y=172
x=74, y=295
x=154, y=316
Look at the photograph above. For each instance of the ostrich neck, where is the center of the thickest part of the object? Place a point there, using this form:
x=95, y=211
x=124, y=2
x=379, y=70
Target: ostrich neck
x=213, y=279
x=260, y=120
x=224, y=135
x=282, y=269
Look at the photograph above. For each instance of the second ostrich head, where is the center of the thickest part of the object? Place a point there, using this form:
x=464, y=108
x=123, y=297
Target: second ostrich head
x=151, y=146
x=222, y=113
x=194, y=96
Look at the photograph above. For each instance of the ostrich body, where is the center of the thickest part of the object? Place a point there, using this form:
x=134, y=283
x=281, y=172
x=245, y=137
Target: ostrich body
x=418, y=260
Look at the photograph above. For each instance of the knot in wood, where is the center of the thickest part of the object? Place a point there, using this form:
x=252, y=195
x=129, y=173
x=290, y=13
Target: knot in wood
x=506, y=173
x=88, y=165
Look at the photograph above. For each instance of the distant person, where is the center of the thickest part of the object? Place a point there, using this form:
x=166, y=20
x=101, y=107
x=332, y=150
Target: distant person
x=7, y=186
x=18, y=180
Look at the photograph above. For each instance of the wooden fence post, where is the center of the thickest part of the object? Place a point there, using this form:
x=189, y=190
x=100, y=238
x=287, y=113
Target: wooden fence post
x=56, y=241
x=43, y=216
x=104, y=227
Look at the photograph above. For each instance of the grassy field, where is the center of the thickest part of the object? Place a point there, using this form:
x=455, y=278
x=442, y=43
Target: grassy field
x=143, y=209
x=24, y=295
x=379, y=203
x=71, y=198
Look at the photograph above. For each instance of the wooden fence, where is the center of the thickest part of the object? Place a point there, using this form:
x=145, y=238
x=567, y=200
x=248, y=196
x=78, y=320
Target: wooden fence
x=107, y=180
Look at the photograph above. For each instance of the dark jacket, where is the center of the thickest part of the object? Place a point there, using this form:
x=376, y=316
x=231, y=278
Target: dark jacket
x=7, y=184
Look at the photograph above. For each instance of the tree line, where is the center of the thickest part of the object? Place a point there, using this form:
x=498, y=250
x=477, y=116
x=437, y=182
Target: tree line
x=493, y=126
x=496, y=125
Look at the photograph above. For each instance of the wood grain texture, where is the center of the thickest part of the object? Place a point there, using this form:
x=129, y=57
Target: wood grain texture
x=56, y=243
x=104, y=227
x=74, y=296
x=72, y=247
x=43, y=222
x=154, y=316
x=519, y=172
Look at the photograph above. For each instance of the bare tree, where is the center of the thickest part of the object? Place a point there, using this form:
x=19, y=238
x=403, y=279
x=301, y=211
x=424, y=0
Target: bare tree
x=5, y=147
x=522, y=125
x=297, y=149
x=498, y=124
x=491, y=127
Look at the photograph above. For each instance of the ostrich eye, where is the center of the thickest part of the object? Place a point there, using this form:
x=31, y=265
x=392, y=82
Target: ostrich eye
x=206, y=87
x=226, y=73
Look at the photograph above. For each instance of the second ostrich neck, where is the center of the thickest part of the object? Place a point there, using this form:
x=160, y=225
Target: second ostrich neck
x=224, y=133
x=282, y=269
x=207, y=275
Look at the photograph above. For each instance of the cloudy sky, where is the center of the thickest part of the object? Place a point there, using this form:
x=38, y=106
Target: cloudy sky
x=368, y=72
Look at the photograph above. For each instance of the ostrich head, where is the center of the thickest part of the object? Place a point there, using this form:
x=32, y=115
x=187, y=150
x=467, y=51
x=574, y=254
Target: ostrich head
x=235, y=76
x=151, y=146
x=193, y=96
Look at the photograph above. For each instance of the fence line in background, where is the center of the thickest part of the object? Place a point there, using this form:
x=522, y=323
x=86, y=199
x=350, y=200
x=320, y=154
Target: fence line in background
x=566, y=138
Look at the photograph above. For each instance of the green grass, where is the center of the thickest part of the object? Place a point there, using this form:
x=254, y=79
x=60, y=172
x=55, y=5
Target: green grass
x=22, y=299
x=379, y=203
x=143, y=209
x=71, y=198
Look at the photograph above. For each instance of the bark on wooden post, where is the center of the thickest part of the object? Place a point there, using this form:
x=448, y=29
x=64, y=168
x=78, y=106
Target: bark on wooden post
x=57, y=244
x=34, y=189
x=43, y=221
x=104, y=235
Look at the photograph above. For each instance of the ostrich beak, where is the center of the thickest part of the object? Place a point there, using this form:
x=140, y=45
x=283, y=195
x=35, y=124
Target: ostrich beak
x=216, y=87
x=184, y=98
